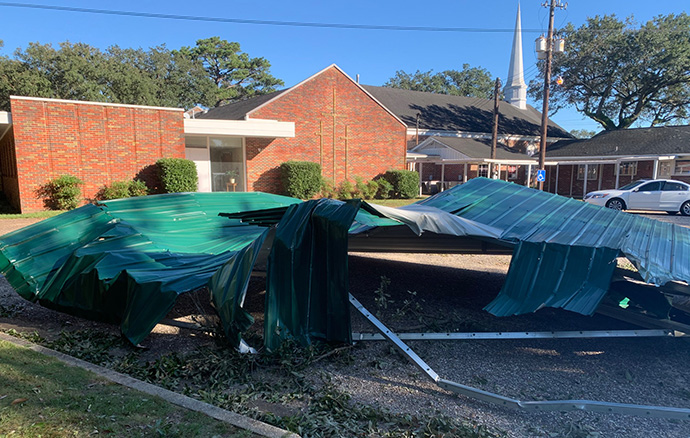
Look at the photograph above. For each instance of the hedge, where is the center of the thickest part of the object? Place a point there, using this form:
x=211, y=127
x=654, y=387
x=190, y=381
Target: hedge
x=405, y=183
x=177, y=175
x=301, y=179
x=123, y=189
x=62, y=193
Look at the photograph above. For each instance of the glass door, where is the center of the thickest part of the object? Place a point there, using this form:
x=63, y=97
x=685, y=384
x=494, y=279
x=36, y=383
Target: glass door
x=227, y=164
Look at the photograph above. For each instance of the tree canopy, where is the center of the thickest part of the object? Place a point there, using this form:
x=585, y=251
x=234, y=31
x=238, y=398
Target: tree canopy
x=619, y=74
x=470, y=82
x=211, y=73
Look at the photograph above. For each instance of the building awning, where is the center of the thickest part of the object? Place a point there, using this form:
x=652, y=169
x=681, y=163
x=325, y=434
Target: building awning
x=240, y=128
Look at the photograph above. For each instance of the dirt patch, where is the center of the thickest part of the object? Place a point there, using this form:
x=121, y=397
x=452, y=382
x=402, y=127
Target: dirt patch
x=431, y=292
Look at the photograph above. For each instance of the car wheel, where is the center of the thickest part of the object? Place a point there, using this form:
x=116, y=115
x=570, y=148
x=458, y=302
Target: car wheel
x=672, y=212
x=685, y=208
x=618, y=204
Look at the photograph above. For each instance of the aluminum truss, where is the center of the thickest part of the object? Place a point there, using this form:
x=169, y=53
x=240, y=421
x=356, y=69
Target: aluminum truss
x=478, y=394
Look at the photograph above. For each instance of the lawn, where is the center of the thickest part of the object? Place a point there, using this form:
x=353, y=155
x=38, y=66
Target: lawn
x=42, y=397
x=396, y=202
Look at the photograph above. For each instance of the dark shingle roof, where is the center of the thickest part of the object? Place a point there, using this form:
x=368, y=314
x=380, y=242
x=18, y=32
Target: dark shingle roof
x=458, y=113
x=479, y=148
x=661, y=140
x=237, y=110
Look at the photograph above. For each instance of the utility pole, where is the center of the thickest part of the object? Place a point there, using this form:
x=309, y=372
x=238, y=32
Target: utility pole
x=494, y=133
x=553, y=4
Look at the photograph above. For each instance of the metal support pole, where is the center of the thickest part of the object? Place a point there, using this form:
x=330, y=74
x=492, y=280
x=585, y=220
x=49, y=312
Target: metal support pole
x=464, y=174
x=584, y=185
x=557, y=176
x=618, y=172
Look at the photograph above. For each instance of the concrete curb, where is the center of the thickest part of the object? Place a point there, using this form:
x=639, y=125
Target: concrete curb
x=232, y=418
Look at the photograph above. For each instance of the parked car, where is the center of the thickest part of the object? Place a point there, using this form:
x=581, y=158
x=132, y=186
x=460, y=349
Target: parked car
x=657, y=194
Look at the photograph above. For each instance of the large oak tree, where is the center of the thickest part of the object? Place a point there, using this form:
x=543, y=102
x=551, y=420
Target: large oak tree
x=211, y=73
x=620, y=74
x=469, y=82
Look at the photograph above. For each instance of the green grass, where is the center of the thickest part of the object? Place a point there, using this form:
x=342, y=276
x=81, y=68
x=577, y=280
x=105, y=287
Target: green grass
x=35, y=215
x=62, y=401
x=396, y=202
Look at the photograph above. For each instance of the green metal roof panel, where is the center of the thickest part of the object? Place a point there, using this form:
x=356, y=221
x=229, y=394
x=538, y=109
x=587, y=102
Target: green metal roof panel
x=660, y=251
x=127, y=260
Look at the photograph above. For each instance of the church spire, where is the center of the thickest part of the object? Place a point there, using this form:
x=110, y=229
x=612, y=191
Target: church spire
x=516, y=90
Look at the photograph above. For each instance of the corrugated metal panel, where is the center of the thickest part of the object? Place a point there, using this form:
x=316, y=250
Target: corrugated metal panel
x=660, y=251
x=127, y=260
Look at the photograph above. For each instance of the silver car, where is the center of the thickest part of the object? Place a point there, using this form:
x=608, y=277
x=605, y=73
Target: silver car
x=658, y=194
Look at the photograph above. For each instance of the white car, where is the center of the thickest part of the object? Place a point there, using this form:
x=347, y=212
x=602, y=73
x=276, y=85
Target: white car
x=657, y=194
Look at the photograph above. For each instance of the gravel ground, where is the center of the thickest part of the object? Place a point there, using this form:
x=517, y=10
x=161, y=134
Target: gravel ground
x=450, y=293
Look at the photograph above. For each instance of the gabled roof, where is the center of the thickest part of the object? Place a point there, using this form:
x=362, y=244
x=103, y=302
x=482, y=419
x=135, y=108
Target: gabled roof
x=473, y=148
x=662, y=140
x=458, y=113
x=239, y=110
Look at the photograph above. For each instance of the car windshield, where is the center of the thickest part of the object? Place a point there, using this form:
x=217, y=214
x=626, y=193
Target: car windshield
x=633, y=184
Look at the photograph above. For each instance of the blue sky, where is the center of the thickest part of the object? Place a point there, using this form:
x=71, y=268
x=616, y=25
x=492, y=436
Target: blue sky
x=297, y=52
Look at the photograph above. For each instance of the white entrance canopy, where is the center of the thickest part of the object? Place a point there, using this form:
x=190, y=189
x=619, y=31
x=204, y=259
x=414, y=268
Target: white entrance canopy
x=5, y=123
x=239, y=128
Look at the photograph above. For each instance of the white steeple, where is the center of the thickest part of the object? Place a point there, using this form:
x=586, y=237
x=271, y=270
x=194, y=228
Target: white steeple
x=516, y=90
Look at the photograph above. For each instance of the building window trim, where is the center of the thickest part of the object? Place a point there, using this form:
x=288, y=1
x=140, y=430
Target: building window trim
x=592, y=172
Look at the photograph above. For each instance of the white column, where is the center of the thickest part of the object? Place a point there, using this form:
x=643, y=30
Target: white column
x=557, y=168
x=655, y=172
x=464, y=174
x=584, y=185
x=421, y=166
x=618, y=172
x=443, y=175
x=529, y=173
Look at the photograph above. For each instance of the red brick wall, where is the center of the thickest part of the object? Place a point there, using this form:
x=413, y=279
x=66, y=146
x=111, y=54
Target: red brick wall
x=98, y=143
x=375, y=139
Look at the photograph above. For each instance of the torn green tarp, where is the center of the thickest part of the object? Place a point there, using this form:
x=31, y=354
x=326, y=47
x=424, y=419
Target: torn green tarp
x=307, y=280
x=574, y=278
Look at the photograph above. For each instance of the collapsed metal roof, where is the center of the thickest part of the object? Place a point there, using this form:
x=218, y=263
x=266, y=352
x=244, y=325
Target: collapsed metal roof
x=127, y=260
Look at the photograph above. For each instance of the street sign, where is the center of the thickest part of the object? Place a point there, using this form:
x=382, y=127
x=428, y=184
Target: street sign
x=541, y=175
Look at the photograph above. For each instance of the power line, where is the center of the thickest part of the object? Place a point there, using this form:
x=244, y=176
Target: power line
x=260, y=22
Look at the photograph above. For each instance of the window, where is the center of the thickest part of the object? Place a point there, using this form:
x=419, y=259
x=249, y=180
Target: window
x=592, y=172
x=682, y=168
x=628, y=168
x=674, y=187
x=665, y=168
x=483, y=170
x=651, y=187
x=512, y=172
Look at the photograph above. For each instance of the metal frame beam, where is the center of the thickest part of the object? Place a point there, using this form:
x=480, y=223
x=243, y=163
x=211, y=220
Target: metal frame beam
x=521, y=335
x=478, y=394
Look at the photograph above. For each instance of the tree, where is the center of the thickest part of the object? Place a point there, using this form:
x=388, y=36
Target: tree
x=469, y=82
x=582, y=133
x=212, y=73
x=619, y=75
x=236, y=75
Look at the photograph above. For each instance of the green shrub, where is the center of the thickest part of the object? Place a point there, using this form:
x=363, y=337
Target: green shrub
x=365, y=189
x=301, y=179
x=346, y=190
x=405, y=183
x=177, y=175
x=62, y=193
x=327, y=189
x=123, y=189
x=384, y=188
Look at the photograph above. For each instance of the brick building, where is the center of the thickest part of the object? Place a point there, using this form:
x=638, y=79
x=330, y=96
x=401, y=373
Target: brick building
x=615, y=158
x=328, y=119
x=337, y=124
x=96, y=142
